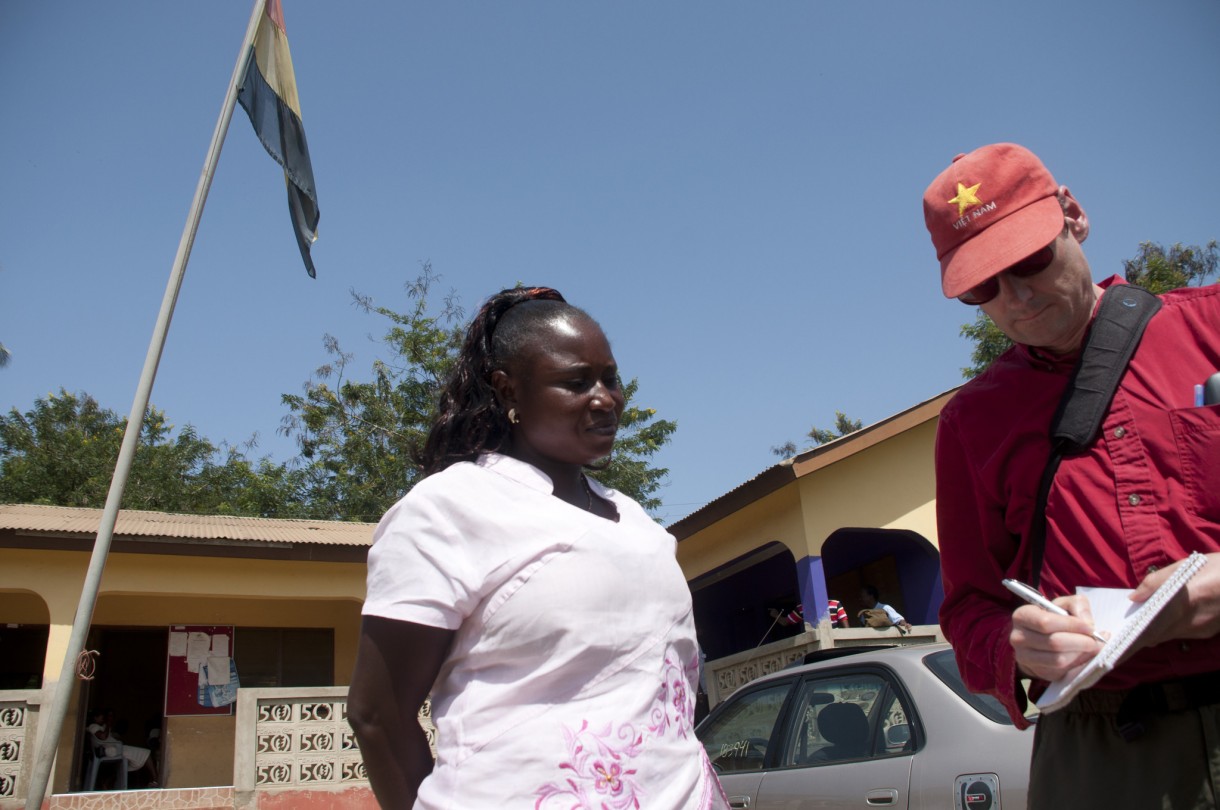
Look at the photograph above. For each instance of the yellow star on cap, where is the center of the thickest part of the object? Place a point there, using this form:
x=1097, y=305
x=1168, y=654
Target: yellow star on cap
x=966, y=197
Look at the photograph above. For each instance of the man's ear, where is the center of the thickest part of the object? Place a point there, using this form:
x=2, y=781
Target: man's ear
x=1073, y=212
x=502, y=384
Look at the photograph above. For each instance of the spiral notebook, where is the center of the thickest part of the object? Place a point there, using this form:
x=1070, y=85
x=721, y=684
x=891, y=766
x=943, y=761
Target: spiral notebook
x=1125, y=621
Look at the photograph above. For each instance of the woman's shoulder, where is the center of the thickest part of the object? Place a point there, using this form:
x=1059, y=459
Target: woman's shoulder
x=458, y=481
x=467, y=491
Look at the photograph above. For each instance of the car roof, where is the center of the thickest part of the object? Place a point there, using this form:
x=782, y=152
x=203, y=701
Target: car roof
x=863, y=654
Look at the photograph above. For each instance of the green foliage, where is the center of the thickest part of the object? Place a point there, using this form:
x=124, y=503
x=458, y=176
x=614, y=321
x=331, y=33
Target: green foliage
x=359, y=438
x=1158, y=270
x=1153, y=268
x=989, y=343
x=5, y=354
x=63, y=451
x=786, y=450
x=844, y=425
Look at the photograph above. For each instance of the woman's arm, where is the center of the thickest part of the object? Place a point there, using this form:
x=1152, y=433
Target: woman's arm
x=396, y=664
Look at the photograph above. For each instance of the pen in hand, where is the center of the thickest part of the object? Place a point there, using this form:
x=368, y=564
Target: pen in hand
x=1034, y=598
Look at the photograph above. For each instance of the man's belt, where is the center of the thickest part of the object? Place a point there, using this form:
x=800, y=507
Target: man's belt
x=1163, y=697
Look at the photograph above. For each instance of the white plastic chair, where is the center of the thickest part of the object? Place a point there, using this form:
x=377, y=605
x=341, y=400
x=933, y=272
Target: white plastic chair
x=97, y=756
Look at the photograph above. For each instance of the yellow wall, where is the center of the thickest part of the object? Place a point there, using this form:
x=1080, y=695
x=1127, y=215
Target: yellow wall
x=199, y=751
x=774, y=518
x=23, y=607
x=890, y=485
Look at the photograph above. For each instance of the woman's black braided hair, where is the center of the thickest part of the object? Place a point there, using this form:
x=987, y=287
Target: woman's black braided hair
x=469, y=420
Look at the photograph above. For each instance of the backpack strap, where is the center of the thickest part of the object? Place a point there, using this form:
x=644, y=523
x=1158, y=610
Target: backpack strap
x=1113, y=336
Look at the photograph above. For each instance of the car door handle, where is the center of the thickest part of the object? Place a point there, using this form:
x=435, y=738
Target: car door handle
x=880, y=798
x=739, y=802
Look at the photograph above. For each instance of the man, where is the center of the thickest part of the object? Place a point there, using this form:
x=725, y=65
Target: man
x=837, y=613
x=870, y=596
x=1123, y=514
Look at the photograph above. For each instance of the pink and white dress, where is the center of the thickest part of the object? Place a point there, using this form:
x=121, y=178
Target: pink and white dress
x=571, y=681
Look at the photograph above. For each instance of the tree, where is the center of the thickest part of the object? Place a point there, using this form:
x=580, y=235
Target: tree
x=1154, y=268
x=359, y=438
x=63, y=451
x=1157, y=270
x=844, y=425
x=989, y=343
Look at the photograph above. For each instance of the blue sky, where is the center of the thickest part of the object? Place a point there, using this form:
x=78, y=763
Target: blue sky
x=733, y=189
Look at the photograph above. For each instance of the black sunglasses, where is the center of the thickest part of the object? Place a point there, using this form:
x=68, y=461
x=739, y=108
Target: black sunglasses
x=1029, y=266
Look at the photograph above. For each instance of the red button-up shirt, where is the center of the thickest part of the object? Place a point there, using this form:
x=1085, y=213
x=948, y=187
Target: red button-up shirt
x=1146, y=494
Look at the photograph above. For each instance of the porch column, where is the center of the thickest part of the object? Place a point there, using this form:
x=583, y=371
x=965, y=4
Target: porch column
x=811, y=578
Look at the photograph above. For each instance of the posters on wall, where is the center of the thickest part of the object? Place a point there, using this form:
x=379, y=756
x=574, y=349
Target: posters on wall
x=201, y=676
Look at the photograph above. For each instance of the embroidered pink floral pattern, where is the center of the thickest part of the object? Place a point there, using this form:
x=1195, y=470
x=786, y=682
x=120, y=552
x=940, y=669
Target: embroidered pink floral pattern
x=674, y=705
x=599, y=776
x=598, y=773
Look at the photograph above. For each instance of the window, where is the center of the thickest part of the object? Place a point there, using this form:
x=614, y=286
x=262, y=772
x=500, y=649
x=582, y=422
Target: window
x=944, y=665
x=848, y=717
x=737, y=739
x=284, y=656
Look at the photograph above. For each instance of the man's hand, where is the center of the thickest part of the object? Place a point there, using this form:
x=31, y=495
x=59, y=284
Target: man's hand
x=1193, y=613
x=1048, y=646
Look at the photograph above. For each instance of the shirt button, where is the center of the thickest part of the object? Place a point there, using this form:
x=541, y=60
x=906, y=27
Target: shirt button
x=1152, y=569
x=1133, y=499
x=1119, y=432
x=1185, y=646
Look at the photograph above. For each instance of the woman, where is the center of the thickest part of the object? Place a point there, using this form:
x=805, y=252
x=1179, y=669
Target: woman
x=545, y=612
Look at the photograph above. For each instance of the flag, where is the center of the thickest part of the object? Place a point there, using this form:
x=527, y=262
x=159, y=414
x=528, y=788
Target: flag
x=268, y=93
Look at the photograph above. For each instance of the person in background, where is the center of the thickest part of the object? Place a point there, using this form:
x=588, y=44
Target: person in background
x=138, y=759
x=788, y=616
x=872, y=598
x=1122, y=514
x=838, y=616
x=546, y=613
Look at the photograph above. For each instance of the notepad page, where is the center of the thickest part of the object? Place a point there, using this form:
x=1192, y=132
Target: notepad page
x=1114, y=614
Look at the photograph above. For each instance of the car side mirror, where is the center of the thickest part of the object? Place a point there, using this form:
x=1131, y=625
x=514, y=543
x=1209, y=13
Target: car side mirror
x=898, y=735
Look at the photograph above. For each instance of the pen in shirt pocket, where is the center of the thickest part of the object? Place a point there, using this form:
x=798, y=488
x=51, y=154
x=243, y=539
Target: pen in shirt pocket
x=1209, y=392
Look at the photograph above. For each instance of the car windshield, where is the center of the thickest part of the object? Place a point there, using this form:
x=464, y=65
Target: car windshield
x=944, y=666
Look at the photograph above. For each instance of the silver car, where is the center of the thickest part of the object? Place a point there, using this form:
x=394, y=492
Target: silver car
x=867, y=728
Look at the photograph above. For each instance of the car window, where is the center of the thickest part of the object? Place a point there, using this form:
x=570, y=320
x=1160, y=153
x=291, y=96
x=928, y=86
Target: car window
x=944, y=665
x=848, y=717
x=738, y=736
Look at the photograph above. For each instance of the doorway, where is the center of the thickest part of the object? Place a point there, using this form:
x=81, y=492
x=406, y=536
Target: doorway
x=129, y=681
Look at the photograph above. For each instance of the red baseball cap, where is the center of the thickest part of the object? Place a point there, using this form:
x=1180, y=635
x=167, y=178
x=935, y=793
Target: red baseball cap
x=989, y=210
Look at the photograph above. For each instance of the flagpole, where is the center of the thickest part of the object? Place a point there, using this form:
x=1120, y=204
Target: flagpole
x=50, y=722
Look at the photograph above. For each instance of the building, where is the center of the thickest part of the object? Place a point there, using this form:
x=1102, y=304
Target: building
x=281, y=598
x=859, y=510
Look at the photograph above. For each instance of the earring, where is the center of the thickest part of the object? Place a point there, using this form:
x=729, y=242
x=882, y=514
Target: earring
x=512, y=416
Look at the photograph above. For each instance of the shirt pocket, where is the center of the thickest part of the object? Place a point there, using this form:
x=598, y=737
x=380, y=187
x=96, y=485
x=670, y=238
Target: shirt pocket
x=1197, y=434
